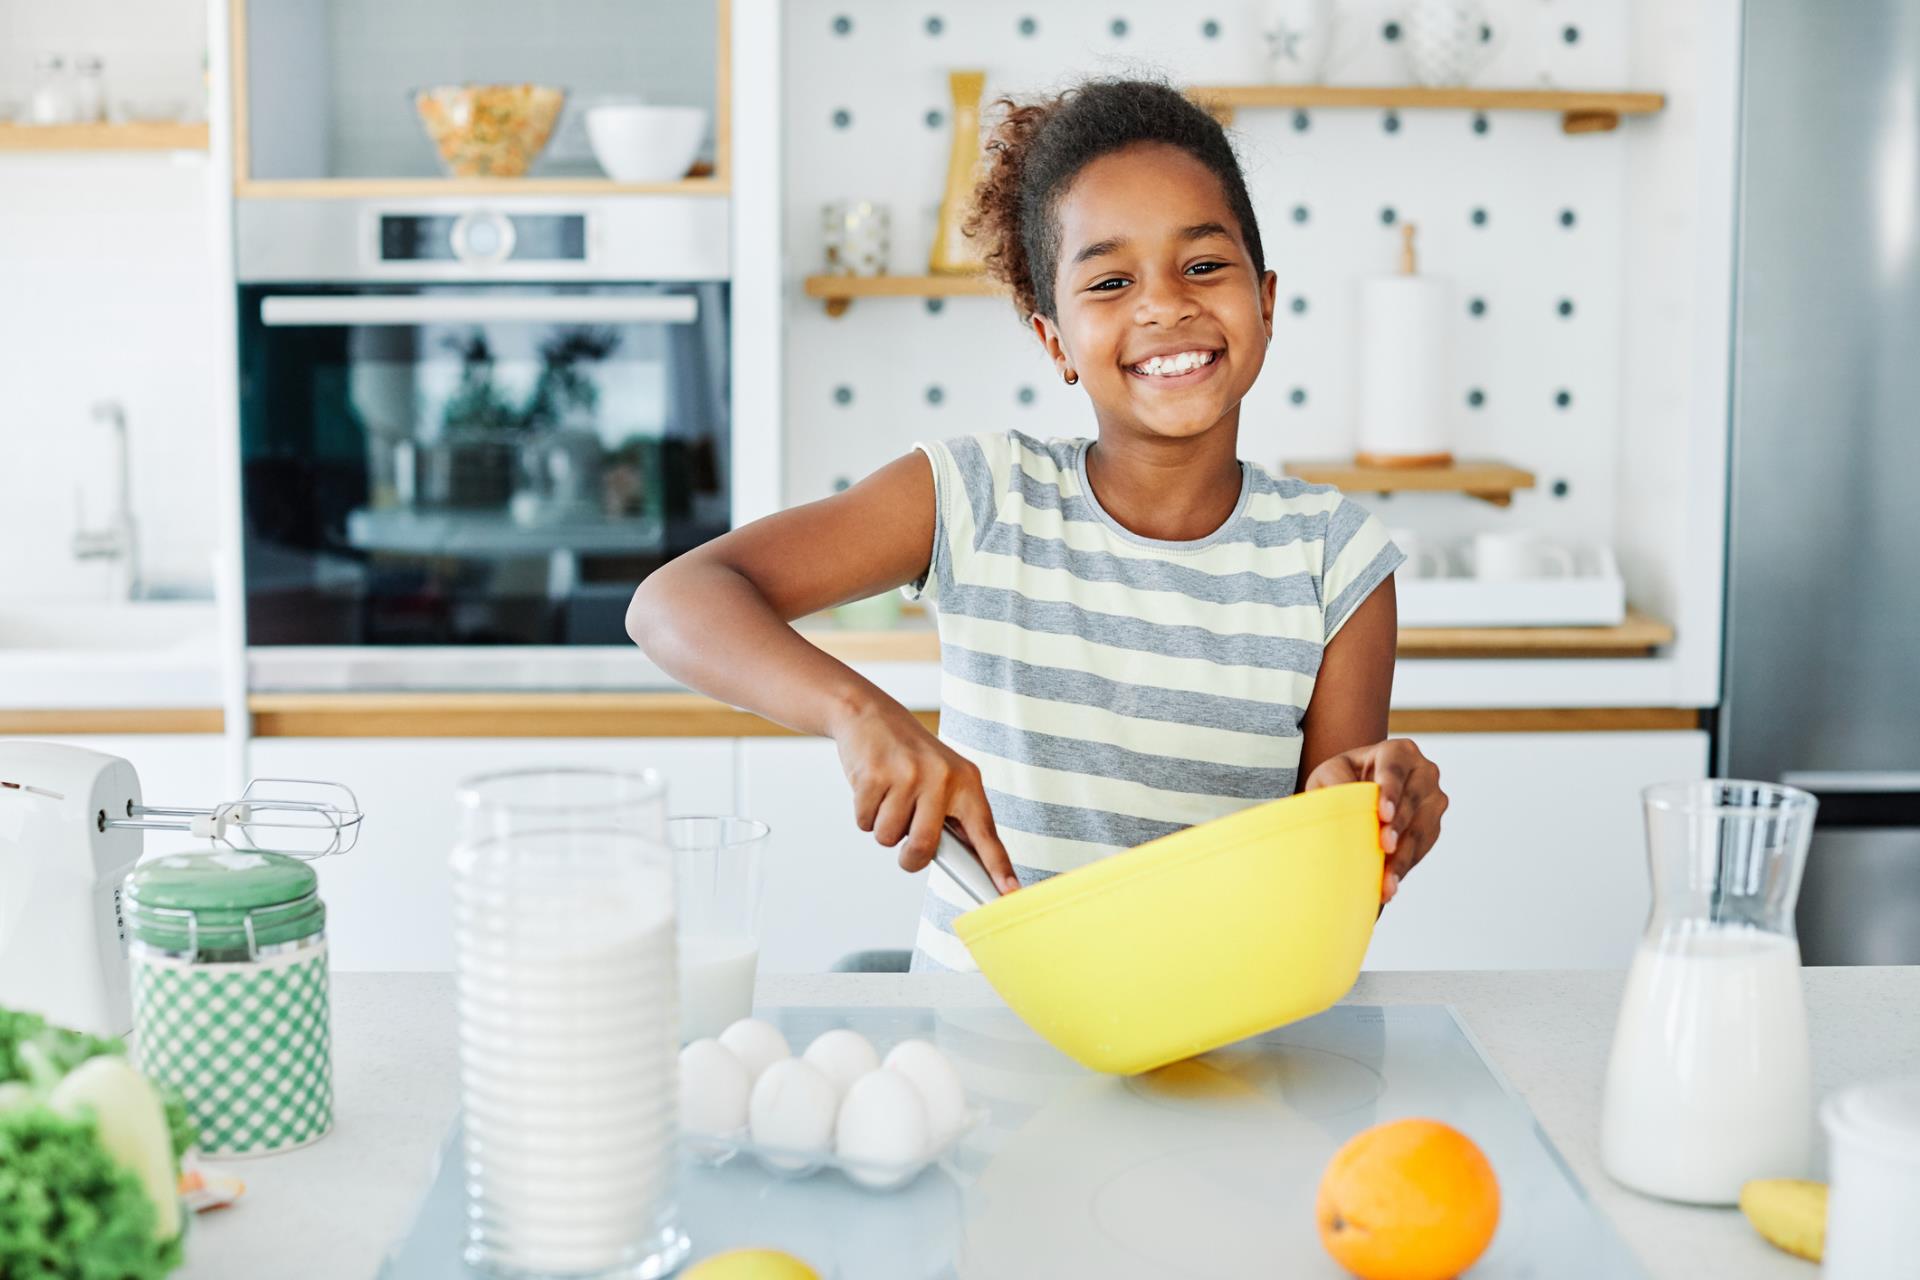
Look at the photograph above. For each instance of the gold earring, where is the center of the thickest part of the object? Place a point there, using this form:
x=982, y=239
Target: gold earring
x=1072, y=377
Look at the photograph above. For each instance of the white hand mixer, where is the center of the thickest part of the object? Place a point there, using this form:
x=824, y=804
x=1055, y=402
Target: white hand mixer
x=70, y=830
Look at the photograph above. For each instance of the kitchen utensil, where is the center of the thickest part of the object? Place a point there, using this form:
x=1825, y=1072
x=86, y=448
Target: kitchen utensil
x=1188, y=942
x=953, y=253
x=70, y=831
x=1709, y=1081
x=488, y=130
x=564, y=954
x=1405, y=366
x=89, y=92
x=637, y=142
x=230, y=996
x=1447, y=40
x=50, y=101
x=1517, y=555
x=1873, y=1164
x=856, y=237
x=719, y=870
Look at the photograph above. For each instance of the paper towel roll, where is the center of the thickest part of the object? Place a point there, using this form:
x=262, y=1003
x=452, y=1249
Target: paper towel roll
x=1404, y=378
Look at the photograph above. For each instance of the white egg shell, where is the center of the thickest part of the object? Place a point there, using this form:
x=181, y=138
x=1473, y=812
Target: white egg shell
x=792, y=1107
x=757, y=1044
x=844, y=1055
x=713, y=1089
x=939, y=1085
x=882, y=1122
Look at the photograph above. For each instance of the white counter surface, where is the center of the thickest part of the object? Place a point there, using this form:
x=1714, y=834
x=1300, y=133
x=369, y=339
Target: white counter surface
x=329, y=1212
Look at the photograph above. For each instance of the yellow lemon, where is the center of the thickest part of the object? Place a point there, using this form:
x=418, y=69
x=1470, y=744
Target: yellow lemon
x=752, y=1264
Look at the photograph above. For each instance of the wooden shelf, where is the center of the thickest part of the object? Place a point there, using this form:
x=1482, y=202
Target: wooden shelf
x=839, y=291
x=1579, y=112
x=149, y=135
x=383, y=188
x=1492, y=482
x=1637, y=637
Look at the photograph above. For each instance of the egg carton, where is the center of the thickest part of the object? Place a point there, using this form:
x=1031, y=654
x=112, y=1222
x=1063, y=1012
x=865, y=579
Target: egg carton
x=788, y=1163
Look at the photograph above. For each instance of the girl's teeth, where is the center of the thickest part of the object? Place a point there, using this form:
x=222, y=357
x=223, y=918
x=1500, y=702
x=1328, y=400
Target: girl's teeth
x=1173, y=366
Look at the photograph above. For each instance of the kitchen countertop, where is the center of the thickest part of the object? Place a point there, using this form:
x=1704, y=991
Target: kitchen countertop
x=330, y=1211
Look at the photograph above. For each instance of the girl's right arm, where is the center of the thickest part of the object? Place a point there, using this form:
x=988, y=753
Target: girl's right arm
x=716, y=620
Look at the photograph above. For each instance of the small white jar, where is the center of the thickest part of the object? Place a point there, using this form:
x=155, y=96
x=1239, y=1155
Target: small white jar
x=1873, y=1170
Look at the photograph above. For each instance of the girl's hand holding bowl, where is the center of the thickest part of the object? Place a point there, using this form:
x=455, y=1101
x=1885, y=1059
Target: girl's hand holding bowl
x=1411, y=801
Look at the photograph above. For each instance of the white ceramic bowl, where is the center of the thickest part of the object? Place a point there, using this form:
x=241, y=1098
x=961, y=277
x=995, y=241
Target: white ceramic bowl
x=645, y=143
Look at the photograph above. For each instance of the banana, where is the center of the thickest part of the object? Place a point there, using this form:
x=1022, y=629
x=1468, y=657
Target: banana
x=1788, y=1213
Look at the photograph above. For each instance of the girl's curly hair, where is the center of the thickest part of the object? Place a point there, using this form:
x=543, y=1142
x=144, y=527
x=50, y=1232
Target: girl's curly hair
x=1037, y=148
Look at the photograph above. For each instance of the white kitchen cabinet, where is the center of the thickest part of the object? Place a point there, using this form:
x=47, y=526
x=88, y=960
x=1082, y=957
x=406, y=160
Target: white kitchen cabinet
x=830, y=888
x=176, y=769
x=388, y=904
x=1541, y=862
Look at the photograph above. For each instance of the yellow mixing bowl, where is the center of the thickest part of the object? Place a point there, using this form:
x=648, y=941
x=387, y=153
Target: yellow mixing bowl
x=1195, y=940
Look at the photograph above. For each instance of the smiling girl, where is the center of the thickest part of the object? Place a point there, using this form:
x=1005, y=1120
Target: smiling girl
x=1138, y=632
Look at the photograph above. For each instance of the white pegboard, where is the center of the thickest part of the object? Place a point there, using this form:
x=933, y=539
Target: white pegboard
x=884, y=65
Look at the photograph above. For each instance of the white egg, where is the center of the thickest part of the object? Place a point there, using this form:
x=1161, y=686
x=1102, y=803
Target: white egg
x=844, y=1055
x=939, y=1085
x=713, y=1089
x=883, y=1131
x=792, y=1107
x=757, y=1044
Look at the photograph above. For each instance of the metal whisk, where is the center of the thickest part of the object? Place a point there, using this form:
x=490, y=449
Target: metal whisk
x=300, y=817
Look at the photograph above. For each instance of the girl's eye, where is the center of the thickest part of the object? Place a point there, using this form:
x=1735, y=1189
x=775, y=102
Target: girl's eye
x=1100, y=286
x=1208, y=267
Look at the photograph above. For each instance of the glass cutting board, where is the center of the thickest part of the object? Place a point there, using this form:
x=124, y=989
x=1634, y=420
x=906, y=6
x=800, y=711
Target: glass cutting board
x=1205, y=1169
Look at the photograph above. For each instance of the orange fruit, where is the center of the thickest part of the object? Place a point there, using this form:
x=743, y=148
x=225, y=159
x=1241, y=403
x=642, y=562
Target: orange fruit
x=1408, y=1200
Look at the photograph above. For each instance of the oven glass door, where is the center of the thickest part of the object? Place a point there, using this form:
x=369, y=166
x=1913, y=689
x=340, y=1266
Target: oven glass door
x=474, y=464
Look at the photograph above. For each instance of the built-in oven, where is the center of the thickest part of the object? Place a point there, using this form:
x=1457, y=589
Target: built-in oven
x=468, y=424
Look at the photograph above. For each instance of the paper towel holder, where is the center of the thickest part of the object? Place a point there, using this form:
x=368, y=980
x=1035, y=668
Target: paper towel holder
x=1391, y=440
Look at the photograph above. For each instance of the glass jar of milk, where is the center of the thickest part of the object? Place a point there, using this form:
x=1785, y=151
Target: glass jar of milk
x=1709, y=1083
x=568, y=993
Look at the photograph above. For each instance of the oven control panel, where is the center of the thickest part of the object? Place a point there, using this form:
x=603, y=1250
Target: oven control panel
x=482, y=237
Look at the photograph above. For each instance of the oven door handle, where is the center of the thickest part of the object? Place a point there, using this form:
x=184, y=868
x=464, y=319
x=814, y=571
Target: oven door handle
x=1862, y=798
x=318, y=310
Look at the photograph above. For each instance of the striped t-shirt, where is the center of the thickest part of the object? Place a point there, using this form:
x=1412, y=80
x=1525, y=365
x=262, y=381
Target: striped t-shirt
x=1114, y=688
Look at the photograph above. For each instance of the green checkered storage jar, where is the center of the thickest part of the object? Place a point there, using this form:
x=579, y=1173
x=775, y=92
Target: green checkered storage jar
x=229, y=966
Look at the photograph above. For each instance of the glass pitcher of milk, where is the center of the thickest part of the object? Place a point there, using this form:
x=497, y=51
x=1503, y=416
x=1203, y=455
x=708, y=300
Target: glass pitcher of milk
x=1709, y=1083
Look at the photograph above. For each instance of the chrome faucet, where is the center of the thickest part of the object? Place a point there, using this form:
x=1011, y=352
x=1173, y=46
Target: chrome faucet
x=118, y=541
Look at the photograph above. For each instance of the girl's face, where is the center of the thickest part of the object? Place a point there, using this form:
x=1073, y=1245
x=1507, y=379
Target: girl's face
x=1161, y=313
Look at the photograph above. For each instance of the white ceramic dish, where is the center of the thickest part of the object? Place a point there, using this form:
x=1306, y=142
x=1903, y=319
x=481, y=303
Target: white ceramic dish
x=1593, y=595
x=636, y=143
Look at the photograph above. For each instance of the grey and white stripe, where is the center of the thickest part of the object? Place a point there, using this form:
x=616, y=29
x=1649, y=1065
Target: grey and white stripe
x=1114, y=688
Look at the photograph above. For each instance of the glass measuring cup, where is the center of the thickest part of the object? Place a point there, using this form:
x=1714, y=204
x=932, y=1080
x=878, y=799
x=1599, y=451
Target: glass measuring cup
x=1709, y=1083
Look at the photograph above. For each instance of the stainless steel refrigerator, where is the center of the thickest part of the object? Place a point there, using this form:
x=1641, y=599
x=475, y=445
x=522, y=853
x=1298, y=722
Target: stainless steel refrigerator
x=1823, y=584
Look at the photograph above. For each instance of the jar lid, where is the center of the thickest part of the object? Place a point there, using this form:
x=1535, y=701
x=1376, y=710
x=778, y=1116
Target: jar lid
x=1883, y=1115
x=205, y=901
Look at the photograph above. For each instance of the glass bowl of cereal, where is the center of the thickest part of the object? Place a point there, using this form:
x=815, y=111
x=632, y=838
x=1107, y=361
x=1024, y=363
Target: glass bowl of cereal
x=489, y=130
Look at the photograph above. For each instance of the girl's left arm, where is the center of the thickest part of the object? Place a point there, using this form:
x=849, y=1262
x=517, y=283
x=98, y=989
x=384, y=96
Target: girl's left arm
x=1345, y=736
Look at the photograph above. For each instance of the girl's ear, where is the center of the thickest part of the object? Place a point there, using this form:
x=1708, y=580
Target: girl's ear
x=1049, y=334
x=1269, y=289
